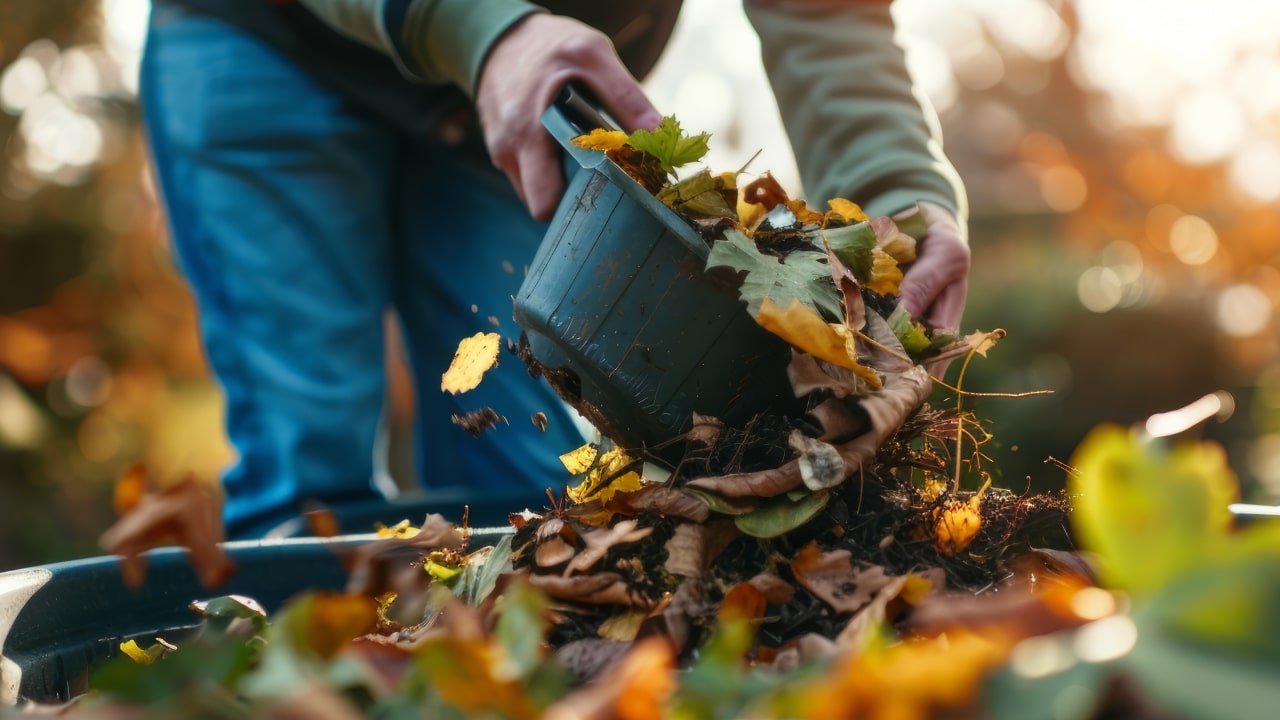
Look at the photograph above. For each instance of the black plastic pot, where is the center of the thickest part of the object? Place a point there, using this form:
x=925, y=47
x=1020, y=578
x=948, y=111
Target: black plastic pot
x=617, y=302
x=58, y=621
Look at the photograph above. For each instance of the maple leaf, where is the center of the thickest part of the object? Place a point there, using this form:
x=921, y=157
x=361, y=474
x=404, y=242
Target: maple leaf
x=805, y=276
x=670, y=144
x=474, y=357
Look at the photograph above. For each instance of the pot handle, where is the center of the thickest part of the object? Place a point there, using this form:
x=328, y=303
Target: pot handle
x=574, y=112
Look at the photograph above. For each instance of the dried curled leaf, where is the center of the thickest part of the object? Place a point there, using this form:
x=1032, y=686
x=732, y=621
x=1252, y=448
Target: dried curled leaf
x=474, y=357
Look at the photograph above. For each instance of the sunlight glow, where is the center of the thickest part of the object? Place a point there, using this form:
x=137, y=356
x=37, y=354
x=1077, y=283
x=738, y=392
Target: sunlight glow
x=1193, y=240
x=1243, y=310
x=1106, y=639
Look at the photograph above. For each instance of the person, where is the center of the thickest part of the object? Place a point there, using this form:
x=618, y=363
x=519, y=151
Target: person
x=323, y=160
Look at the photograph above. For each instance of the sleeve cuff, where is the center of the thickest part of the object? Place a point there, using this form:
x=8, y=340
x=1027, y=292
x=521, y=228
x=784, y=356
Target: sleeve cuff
x=448, y=40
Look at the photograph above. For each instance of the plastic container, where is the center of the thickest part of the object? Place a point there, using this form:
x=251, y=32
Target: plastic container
x=58, y=621
x=617, y=305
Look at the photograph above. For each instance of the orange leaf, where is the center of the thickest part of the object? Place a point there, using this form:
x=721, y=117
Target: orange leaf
x=335, y=619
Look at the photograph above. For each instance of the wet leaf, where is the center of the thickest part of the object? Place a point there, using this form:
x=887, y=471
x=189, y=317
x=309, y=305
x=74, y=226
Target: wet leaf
x=474, y=357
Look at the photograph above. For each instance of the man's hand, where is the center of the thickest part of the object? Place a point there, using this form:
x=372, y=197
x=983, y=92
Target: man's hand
x=934, y=287
x=525, y=69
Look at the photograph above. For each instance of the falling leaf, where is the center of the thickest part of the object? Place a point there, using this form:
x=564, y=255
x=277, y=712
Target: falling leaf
x=322, y=522
x=540, y=421
x=478, y=422
x=187, y=514
x=129, y=489
x=601, y=139
x=670, y=144
x=474, y=357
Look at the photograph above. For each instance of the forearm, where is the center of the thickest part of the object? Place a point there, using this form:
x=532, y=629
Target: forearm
x=432, y=40
x=857, y=125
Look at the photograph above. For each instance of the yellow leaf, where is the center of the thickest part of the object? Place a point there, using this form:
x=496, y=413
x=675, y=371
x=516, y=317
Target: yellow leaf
x=601, y=139
x=474, y=357
x=402, y=530
x=804, y=213
x=886, y=276
x=606, y=478
x=623, y=625
x=981, y=341
x=848, y=210
x=956, y=524
x=140, y=656
x=580, y=460
x=801, y=326
x=441, y=571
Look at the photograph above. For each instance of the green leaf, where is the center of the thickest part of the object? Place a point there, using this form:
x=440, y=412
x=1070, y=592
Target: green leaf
x=480, y=573
x=782, y=515
x=804, y=276
x=1148, y=513
x=853, y=246
x=521, y=627
x=910, y=334
x=670, y=145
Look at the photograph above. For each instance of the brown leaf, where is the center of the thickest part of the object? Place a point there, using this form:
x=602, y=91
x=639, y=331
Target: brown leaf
x=884, y=606
x=705, y=431
x=671, y=502
x=887, y=409
x=553, y=552
x=762, y=483
x=766, y=191
x=841, y=421
x=601, y=588
x=832, y=577
x=187, y=514
x=598, y=542
x=889, y=238
x=477, y=422
x=744, y=601
x=636, y=687
x=687, y=551
x=540, y=421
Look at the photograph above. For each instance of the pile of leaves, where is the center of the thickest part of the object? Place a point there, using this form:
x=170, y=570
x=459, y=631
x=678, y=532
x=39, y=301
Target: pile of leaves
x=832, y=565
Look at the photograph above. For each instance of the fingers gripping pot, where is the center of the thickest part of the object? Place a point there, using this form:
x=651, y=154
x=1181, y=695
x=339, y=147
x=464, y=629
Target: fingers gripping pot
x=620, y=317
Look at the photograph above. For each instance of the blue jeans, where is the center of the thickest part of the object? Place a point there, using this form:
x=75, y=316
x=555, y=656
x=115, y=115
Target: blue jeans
x=298, y=219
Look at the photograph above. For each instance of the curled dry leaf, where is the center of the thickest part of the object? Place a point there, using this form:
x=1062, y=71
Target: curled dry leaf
x=821, y=466
x=187, y=514
x=687, y=551
x=670, y=502
x=599, y=588
x=705, y=431
x=762, y=483
x=895, y=243
x=540, y=421
x=832, y=577
x=598, y=542
x=474, y=357
x=478, y=422
x=841, y=421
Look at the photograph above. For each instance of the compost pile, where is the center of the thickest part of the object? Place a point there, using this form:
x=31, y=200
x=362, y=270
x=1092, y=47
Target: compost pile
x=853, y=560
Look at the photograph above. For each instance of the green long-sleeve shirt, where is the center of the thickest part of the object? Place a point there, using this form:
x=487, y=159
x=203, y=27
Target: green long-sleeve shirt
x=857, y=124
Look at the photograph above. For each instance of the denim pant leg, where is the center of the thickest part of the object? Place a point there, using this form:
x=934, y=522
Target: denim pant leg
x=276, y=194
x=464, y=243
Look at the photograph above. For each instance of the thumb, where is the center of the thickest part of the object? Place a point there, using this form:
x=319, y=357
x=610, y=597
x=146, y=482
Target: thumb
x=623, y=97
